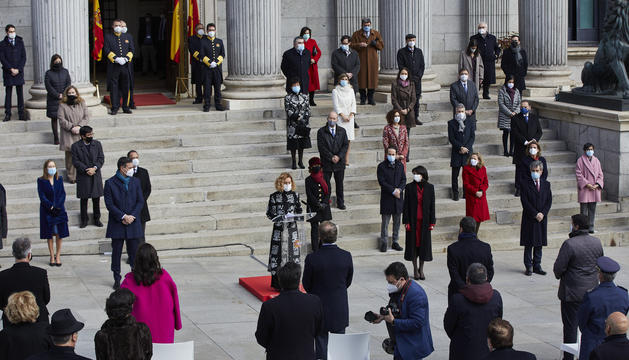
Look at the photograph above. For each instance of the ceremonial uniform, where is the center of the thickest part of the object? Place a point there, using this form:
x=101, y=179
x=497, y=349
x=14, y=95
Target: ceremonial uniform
x=212, y=51
x=197, y=66
x=119, y=75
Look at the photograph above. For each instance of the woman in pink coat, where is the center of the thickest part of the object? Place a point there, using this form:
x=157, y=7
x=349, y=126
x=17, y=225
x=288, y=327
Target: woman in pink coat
x=589, y=183
x=156, y=300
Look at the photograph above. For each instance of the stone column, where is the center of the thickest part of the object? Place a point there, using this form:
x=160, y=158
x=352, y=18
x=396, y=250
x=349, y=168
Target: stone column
x=349, y=13
x=398, y=18
x=501, y=16
x=544, y=36
x=254, y=79
x=61, y=27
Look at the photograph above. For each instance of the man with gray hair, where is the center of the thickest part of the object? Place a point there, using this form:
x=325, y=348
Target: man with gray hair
x=536, y=198
x=461, y=135
x=295, y=64
x=24, y=277
x=489, y=51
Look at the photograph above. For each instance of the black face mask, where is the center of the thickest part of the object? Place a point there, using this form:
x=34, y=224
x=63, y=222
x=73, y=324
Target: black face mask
x=71, y=99
x=56, y=66
x=515, y=44
x=88, y=139
x=316, y=169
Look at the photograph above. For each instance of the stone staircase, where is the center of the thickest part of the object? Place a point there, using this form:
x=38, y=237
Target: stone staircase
x=212, y=174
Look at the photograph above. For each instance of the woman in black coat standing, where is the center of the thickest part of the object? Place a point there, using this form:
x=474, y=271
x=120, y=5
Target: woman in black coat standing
x=57, y=79
x=318, y=200
x=418, y=215
x=297, y=107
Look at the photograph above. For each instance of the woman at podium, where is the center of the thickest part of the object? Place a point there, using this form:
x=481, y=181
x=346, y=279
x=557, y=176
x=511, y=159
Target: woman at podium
x=284, y=203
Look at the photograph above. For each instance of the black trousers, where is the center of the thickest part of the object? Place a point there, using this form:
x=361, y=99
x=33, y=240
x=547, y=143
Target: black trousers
x=455, y=180
x=120, y=83
x=536, y=262
x=20, y=100
x=95, y=209
x=569, y=310
x=314, y=235
x=116, y=254
x=211, y=80
x=339, y=175
x=418, y=94
x=321, y=344
x=142, y=239
x=486, y=85
x=198, y=89
x=366, y=94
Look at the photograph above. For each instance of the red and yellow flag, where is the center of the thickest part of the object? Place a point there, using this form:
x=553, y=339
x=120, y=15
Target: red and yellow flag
x=97, y=30
x=175, y=35
x=193, y=16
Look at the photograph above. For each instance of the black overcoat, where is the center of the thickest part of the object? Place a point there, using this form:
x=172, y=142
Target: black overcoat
x=468, y=249
x=317, y=200
x=461, y=139
x=391, y=177
x=414, y=62
x=19, y=341
x=409, y=216
x=509, y=354
x=196, y=63
x=296, y=66
x=469, y=98
x=20, y=277
x=12, y=57
x=511, y=67
x=489, y=51
x=332, y=145
x=522, y=131
x=56, y=81
x=614, y=347
x=145, y=183
x=533, y=232
x=83, y=157
x=342, y=63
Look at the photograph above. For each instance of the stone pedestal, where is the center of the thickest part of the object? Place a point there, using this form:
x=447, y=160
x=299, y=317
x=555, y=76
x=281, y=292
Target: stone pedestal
x=544, y=36
x=61, y=27
x=254, y=78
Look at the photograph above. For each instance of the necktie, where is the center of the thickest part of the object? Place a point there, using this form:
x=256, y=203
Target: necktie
x=465, y=87
x=537, y=184
x=526, y=118
x=12, y=42
x=333, y=132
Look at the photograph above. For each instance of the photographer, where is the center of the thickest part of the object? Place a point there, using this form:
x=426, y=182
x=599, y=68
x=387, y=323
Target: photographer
x=410, y=325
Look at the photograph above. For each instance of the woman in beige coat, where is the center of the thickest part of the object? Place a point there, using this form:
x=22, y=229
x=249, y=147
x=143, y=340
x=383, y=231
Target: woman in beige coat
x=471, y=61
x=72, y=114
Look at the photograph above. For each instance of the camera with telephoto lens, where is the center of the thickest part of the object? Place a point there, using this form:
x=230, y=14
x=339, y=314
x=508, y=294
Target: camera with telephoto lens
x=395, y=311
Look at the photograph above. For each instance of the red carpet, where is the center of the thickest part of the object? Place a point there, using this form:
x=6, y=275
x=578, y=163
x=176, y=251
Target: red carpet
x=147, y=99
x=260, y=287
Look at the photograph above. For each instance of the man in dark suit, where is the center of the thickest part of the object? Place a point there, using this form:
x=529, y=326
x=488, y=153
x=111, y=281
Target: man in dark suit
x=500, y=339
x=463, y=91
x=616, y=345
x=332, y=143
x=489, y=51
x=469, y=314
x=295, y=64
x=13, y=59
x=64, y=333
x=328, y=273
x=597, y=304
x=24, y=277
x=88, y=159
x=124, y=201
x=461, y=135
x=536, y=200
x=345, y=61
x=525, y=128
x=145, y=184
x=212, y=55
x=118, y=48
x=412, y=58
x=464, y=252
x=289, y=323
x=196, y=63
x=515, y=63
x=392, y=180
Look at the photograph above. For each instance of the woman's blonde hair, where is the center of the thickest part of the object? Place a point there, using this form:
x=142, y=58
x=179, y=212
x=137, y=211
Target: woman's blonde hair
x=279, y=182
x=480, y=160
x=539, y=148
x=22, y=308
x=79, y=99
x=45, y=175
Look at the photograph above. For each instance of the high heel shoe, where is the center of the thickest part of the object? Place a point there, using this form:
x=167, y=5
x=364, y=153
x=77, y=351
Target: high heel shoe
x=52, y=263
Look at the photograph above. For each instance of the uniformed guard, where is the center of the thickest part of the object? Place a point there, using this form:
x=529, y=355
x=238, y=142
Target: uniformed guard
x=597, y=304
x=119, y=49
x=212, y=55
x=194, y=45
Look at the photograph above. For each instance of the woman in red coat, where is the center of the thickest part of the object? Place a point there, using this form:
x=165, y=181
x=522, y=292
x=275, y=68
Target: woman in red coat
x=313, y=71
x=475, y=183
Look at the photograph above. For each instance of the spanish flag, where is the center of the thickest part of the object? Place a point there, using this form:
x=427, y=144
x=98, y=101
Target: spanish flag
x=193, y=16
x=175, y=36
x=97, y=30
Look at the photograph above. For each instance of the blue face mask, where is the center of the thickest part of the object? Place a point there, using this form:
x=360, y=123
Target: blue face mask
x=524, y=111
x=300, y=47
x=535, y=175
x=344, y=47
x=589, y=153
x=296, y=89
x=367, y=28
x=343, y=83
x=391, y=158
x=306, y=36
x=52, y=171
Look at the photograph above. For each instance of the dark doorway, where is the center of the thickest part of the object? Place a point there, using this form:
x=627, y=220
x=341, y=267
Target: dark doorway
x=585, y=21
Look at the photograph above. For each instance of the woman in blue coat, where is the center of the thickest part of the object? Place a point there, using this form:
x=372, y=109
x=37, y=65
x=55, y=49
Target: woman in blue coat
x=53, y=219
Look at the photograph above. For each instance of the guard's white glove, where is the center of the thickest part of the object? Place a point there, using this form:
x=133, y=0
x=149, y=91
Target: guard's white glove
x=213, y=64
x=121, y=60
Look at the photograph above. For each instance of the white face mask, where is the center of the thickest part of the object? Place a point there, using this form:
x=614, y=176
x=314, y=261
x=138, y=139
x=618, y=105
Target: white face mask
x=345, y=47
x=130, y=172
x=200, y=32
x=482, y=31
x=473, y=162
x=118, y=29
x=300, y=47
x=391, y=288
x=403, y=77
x=211, y=33
x=417, y=177
x=124, y=29
x=460, y=116
x=288, y=187
x=533, y=151
x=463, y=78
x=411, y=44
x=510, y=85
x=136, y=162
x=396, y=119
x=12, y=35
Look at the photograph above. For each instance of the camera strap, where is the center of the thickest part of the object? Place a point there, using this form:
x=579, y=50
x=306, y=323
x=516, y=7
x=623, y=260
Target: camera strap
x=404, y=291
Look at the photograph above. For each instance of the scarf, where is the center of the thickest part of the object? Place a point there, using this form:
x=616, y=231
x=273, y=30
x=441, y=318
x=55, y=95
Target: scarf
x=511, y=92
x=318, y=177
x=125, y=180
x=517, y=54
x=461, y=124
x=404, y=83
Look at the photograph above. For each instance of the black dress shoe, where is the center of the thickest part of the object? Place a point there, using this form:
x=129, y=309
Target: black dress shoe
x=197, y=102
x=539, y=271
x=294, y=166
x=356, y=126
x=133, y=107
x=7, y=118
x=312, y=103
x=116, y=285
x=505, y=154
x=97, y=223
x=372, y=103
x=528, y=272
x=418, y=122
x=455, y=197
x=342, y=207
x=127, y=111
x=486, y=97
x=113, y=112
x=362, y=102
x=22, y=117
x=383, y=248
x=220, y=108
x=83, y=225
x=395, y=246
x=301, y=165
x=206, y=109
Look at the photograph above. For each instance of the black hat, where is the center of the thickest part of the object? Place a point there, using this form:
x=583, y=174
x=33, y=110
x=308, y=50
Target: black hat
x=63, y=322
x=607, y=265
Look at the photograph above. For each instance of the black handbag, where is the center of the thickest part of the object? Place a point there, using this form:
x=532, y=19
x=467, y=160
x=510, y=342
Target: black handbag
x=302, y=130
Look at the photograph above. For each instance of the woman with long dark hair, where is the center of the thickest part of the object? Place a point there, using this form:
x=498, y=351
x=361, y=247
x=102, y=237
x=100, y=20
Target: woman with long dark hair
x=72, y=115
x=475, y=185
x=471, y=61
x=53, y=219
x=156, y=299
x=313, y=70
x=56, y=80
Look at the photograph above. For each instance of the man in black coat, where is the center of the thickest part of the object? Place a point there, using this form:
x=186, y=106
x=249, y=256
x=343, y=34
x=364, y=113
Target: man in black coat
x=13, y=59
x=463, y=91
x=345, y=61
x=88, y=159
x=145, y=183
x=536, y=199
x=392, y=180
x=289, y=323
x=119, y=50
x=489, y=51
x=515, y=62
x=616, y=345
x=500, y=339
x=525, y=128
x=212, y=55
x=295, y=64
x=328, y=273
x=147, y=37
x=64, y=333
x=469, y=313
x=196, y=63
x=464, y=252
x=24, y=277
x=461, y=135
x=332, y=143
x=412, y=58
